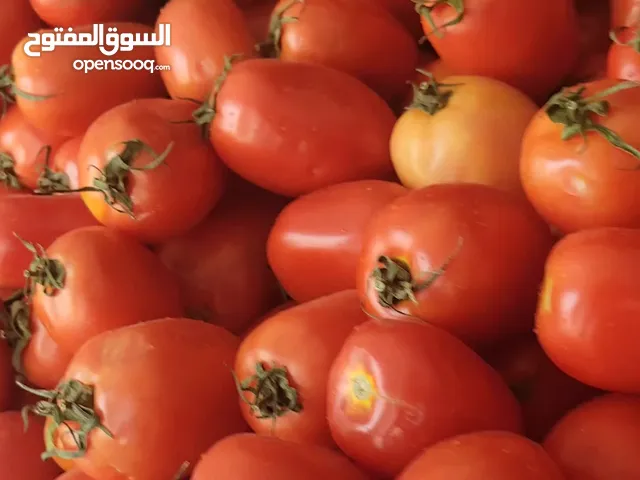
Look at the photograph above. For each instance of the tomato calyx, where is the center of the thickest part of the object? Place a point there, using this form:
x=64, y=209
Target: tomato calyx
x=633, y=42
x=425, y=9
x=16, y=331
x=71, y=404
x=9, y=91
x=428, y=95
x=44, y=271
x=270, y=48
x=8, y=175
x=575, y=112
x=50, y=181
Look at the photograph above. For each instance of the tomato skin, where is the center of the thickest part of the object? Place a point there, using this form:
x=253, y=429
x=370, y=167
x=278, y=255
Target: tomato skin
x=18, y=19
x=203, y=32
x=451, y=146
x=460, y=222
x=7, y=388
x=324, y=230
x=258, y=17
x=443, y=378
x=580, y=183
x=326, y=322
x=72, y=13
x=623, y=61
x=222, y=263
x=405, y=13
x=269, y=314
x=76, y=98
x=65, y=160
x=74, y=475
x=191, y=174
x=624, y=13
x=261, y=132
x=590, y=280
x=598, y=440
x=245, y=456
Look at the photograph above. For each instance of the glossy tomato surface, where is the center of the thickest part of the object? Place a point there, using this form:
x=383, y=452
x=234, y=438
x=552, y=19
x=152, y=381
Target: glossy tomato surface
x=18, y=19
x=623, y=60
x=72, y=13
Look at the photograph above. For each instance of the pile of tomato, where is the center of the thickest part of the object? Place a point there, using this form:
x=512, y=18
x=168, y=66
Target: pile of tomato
x=321, y=239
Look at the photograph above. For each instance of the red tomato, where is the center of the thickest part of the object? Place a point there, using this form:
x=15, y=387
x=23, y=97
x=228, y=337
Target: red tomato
x=398, y=387
x=405, y=12
x=439, y=245
x=530, y=45
x=585, y=182
x=324, y=231
x=623, y=61
x=598, y=440
x=71, y=13
x=483, y=456
x=59, y=99
x=65, y=160
x=17, y=19
x=74, y=475
x=222, y=263
x=590, y=280
x=264, y=135
x=202, y=33
x=270, y=356
x=138, y=395
x=280, y=308
x=166, y=200
x=258, y=18
x=624, y=13
x=248, y=457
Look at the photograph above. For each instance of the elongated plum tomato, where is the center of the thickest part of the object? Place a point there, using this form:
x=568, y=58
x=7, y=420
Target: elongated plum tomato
x=366, y=41
x=139, y=398
x=483, y=456
x=324, y=231
x=413, y=378
x=584, y=181
x=624, y=13
x=597, y=440
x=470, y=256
x=202, y=34
x=261, y=132
x=17, y=19
x=56, y=97
x=623, y=61
x=590, y=280
x=72, y=13
x=166, y=197
x=501, y=34
x=291, y=353
x=440, y=140
x=248, y=456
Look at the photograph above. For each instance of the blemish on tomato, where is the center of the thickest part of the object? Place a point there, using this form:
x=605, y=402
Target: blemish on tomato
x=545, y=295
x=362, y=390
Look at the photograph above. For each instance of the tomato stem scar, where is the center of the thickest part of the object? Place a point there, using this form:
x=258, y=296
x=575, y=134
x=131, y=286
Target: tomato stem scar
x=361, y=387
x=428, y=95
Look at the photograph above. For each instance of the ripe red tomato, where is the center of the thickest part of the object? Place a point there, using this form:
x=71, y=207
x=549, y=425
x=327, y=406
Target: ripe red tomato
x=245, y=457
x=585, y=182
x=598, y=440
x=530, y=45
x=65, y=160
x=138, y=395
x=72, y=13
x=18, y=19
x=202, y=33
x=324, y=231
x=59, y=99
x=222, y=263
x=623, y=61
x=589, y=281
x=270, y=356
x=483, y=456
x=264, y=131
x=166, y=200
x=398, y=387
x=269, y=314
x=74, y=475
x=438, y=245
x=624, y=13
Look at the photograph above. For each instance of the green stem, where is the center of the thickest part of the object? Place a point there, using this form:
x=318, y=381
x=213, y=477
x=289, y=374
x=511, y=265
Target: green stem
x=429, y=96
x=16, y=326
x=425, y=9
x=270, y=48
x=42, y=270
x=9, y=91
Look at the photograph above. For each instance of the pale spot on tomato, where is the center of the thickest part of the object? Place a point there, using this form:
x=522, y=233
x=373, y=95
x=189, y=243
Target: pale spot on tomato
x=362, y=391
x=578, y=185
x=96, y=205
x=545, y=296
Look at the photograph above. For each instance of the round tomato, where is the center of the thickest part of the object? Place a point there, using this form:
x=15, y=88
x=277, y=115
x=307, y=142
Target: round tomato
x=222, y=263
x=440, y=138
x=245, y=457
x=56, y=96
x=465, y=257
x=72, y=13
x=398, y=387
x=202, y=33
x=623, y=61
x=599, y=440
x=134, y=398
x=324, y=231
x=589, y=281
x=530, y=45
x=624, y=13
x=65, y=161
x=292, y=128
x=270, y=360
x=167, y=178
x=484, y=456
x=578, y=167
x=17, y=19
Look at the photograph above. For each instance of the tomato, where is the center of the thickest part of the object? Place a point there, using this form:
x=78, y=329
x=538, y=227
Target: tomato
x=167, y=199
x=59, y=99
x=366, y=41
x=72, y=13
x=270, y=357
x=18, y=19
x=222, y=263
x=202, y=33
x=258, y=18
x=405, y=13
x=248, y=456
x=280, y=308
x=264, y=131
x=398, y=387
x=483, y=456
x=623, y=61
x=440, y=138
x=439, y=245
x=530, y=45
x=20, y=450
x=624, y=13
x=585, y=182
x=598, y=440
x=590, y=280
x=74, y=475
x=65, y=160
